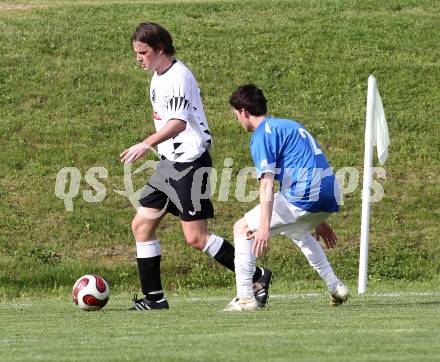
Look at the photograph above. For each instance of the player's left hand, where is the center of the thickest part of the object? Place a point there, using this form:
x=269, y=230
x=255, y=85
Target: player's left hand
x=328, y=235
x=134, y=152
x=261, y=242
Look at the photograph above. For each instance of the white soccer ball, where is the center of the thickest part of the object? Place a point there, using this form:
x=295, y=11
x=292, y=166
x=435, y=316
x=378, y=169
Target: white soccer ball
x=90, y=292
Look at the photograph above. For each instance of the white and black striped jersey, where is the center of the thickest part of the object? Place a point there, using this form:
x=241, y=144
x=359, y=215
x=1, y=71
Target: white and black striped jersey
x=175, y=94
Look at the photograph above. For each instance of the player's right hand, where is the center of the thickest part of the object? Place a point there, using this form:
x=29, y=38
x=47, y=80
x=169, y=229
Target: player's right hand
x=134, y=152
x=261, y=242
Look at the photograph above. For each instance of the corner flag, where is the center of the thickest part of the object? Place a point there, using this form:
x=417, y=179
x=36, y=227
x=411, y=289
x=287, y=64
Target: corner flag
x=376, y=133
x=380, y=133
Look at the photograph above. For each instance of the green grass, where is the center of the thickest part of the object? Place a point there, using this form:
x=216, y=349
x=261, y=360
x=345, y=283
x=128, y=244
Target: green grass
x=382, y=326
x=71, y=95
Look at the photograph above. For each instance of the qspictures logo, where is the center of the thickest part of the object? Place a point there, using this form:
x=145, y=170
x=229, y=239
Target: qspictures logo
x=222, y=184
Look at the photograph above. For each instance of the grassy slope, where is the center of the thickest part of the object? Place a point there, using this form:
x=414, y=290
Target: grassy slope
x=71, y=95
x=302, y=327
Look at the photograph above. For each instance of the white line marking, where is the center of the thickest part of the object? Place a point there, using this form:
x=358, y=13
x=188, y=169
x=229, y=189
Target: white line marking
x=403, y=294
x=312, y=295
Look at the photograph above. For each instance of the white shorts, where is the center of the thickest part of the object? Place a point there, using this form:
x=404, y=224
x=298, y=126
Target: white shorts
x=287, y=219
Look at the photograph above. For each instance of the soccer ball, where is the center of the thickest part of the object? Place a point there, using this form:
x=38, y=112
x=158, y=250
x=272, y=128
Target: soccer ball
x=90, y=292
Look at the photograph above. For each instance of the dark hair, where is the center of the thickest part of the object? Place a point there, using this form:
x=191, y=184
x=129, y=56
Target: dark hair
x=250, y=98
x=155, y=36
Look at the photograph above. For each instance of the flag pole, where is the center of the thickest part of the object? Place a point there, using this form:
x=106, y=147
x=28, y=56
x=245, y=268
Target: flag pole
x=366, y=190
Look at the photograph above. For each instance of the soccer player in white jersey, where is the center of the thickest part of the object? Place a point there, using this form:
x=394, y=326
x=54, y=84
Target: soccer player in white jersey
x=284, y=151
x=180, y=182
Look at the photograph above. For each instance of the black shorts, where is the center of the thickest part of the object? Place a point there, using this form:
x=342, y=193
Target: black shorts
x=182, y=188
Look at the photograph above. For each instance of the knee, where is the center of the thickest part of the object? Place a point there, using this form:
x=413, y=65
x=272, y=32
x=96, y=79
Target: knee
x=135, y=225
x=241, y=229
x=142, y=230
x=197, y=241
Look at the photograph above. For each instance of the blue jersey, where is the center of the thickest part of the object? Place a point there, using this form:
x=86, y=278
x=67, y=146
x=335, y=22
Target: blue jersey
x=284, y=147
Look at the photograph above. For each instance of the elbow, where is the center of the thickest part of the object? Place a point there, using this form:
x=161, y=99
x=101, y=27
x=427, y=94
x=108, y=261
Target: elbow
x=178, y=127
x=182, y=126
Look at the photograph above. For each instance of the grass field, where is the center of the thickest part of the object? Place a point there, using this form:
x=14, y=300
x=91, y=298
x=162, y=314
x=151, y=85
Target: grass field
x=72, y=96
x=383, y=326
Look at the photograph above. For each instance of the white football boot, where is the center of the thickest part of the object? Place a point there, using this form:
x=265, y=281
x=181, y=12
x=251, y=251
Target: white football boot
x=339, y=294
x=241, y=305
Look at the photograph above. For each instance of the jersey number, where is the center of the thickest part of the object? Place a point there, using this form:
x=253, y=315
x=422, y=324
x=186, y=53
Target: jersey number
x=305, y=134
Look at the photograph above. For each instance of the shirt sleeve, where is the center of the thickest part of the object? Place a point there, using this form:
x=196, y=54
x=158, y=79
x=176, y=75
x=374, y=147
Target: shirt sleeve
x=179, y=101
x=263, y=154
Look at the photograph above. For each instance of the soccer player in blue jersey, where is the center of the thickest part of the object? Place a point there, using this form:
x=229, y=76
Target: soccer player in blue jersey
x=284, y=151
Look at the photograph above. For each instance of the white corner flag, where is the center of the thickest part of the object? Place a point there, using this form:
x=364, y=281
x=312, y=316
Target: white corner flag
x=376, y=133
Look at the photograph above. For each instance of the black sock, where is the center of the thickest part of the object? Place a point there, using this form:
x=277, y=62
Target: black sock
x=149, y=273
x=225, y=256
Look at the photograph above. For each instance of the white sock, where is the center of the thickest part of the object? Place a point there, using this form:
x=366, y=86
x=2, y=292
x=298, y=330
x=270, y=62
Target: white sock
x=312, y=250
x=244, y=267
x=147, y=249
x=213, y=245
